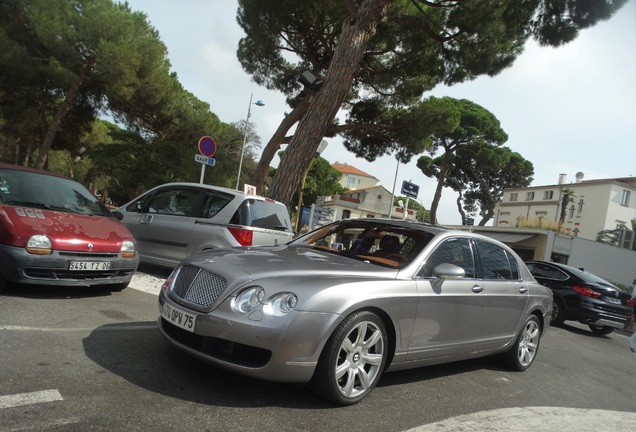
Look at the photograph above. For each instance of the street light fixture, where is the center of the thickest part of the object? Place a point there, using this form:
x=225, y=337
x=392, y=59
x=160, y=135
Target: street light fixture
x=321, y=148
x=247, y=122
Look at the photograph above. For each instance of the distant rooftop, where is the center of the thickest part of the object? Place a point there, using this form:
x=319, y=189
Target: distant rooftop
x=350, y=169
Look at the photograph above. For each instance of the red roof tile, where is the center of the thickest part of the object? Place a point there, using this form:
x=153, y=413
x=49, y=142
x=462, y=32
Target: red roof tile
x=350, y=169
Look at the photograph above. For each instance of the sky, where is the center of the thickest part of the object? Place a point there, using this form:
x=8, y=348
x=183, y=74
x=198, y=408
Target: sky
x=567, y=110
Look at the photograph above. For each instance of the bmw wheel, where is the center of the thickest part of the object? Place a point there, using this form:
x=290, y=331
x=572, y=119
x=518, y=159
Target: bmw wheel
x=558, y=313
x=353, y=359
x=523, y=352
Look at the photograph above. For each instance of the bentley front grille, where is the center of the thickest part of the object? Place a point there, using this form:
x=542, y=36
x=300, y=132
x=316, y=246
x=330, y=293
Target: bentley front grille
x=198, y=286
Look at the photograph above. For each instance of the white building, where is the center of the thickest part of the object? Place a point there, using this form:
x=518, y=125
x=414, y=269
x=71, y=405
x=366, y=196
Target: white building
x=374, y=202
x=594, y=206
x=353, y=178
x=364, y=198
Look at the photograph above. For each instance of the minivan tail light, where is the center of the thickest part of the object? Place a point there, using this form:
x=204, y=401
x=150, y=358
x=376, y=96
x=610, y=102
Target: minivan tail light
x=586, y=292
x=243, y=236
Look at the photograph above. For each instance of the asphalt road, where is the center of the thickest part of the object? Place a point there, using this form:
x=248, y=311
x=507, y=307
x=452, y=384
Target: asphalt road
x=79, y=360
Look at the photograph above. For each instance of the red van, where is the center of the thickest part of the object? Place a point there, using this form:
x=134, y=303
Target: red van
x=53, y=231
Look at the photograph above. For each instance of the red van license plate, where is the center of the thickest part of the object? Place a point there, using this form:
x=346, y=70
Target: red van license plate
x=89, y=265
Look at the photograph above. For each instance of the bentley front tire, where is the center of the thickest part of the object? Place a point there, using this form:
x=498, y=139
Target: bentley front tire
x=353, y=359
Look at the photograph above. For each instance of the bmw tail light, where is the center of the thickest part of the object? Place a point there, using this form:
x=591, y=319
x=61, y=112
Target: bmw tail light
x=584, y=291
x=243, y=236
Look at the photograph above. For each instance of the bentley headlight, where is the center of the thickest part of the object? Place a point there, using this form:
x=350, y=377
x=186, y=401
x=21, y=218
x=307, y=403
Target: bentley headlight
x=170, y=280
x=281, y=304
x=248, y=300
x=39, y=244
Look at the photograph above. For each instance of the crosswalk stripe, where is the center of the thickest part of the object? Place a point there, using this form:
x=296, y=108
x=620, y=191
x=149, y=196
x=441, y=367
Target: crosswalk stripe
x=21, y=399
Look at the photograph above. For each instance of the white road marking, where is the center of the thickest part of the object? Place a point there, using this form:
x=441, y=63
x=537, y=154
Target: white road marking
x=21, y=399
x=146, y=283
x=524, y=419
x=43, y=329
x=84, y=329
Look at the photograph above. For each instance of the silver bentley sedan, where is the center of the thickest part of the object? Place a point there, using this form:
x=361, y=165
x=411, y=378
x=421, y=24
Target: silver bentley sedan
x=340, y=305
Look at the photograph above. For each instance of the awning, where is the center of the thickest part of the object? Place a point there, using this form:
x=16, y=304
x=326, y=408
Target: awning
x=507, y=237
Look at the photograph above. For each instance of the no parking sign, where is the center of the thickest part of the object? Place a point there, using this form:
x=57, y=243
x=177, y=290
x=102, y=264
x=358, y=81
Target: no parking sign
x=207, y=146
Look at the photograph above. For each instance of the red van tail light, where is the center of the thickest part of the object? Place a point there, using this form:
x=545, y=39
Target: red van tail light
x=243, y=236
x=586, y=292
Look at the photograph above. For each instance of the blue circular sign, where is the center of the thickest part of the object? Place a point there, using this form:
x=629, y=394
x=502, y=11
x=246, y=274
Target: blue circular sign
x=207, y=146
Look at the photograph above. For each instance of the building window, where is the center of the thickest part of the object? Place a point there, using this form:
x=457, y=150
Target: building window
x=548, y=195
x=625, y=198
x=580, y=205
x=529, y=196
x=346, y=214
x=513, y=196
x=351, y=181
x=370, y=216
x=571, y=212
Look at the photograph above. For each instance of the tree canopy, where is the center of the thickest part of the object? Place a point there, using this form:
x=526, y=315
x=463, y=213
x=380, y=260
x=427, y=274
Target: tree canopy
x=474, y=126
x=376, y=58
x=479, y=173
x=65, y=63
x=80, y=54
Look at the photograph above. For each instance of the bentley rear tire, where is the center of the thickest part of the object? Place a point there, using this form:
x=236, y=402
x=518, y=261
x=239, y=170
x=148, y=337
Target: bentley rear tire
x=524, y=351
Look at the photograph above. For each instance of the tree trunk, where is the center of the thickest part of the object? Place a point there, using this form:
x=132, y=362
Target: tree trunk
x=461, y=211
x=440, y=184
x=488, y=214
x=274, y=143
x=61, y=113
x=354, y=38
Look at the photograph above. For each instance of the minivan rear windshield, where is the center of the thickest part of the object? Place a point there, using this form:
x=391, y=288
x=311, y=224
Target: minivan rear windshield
x=262, y=214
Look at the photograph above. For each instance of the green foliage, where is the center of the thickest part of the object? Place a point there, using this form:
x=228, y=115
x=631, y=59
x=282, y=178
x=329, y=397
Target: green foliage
x=422, y=215
x=405, y=132
x=613, y=237
x=566, y=196
x=481, y=172
x=322, y=180
x=468, y=148
x=64, y=62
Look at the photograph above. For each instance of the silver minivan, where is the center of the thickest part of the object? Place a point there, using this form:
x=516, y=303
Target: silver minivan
x=175, y=220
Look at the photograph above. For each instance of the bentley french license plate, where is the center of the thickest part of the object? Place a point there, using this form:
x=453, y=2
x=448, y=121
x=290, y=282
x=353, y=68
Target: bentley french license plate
x=179, y=317
x=89, y=265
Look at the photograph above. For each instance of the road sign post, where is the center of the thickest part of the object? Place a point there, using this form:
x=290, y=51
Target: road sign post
x=410, y=190
x=207, y=148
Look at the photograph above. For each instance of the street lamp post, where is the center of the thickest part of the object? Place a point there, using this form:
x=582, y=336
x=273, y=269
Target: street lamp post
x=247, y=122
x=321, y=148
x=394, y=183
x=75, y=160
